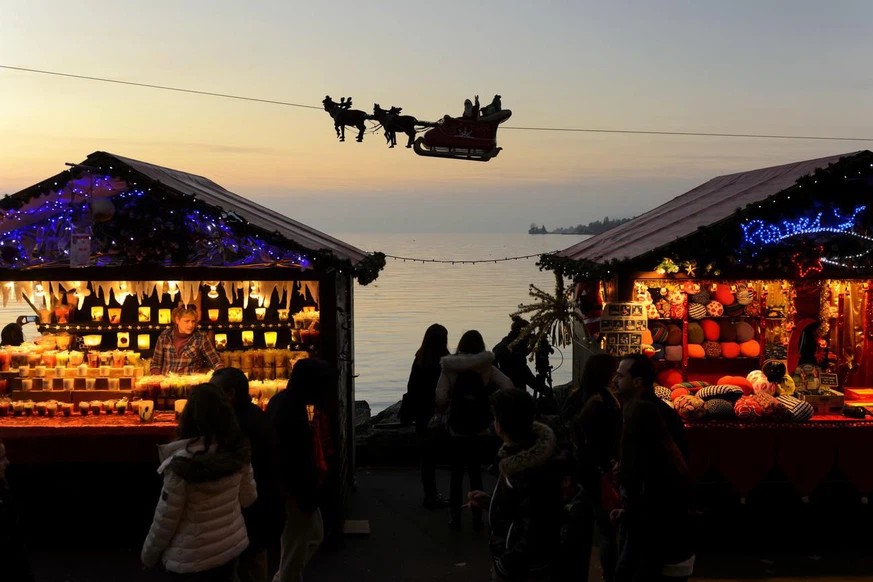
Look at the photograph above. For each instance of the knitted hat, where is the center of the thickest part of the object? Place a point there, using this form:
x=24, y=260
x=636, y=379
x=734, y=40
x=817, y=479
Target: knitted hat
x=725, y=391
x=695, y=333
x=696, y=351
x=745, y=295
x=747, y=408
x=669, y=377
x=674, y=335
x=689, y=407
x=719, y=409
x=740, y=381
x=711, y=329
x=712, y=349
x=750, y=349
x=734, y=310
x=723, y=294
x=673, y=353
x=696, y=310
x=730, y=349
x=745, y=332
x=727, y=331
x=715, y=309
x=701, y=297
x=659, y=332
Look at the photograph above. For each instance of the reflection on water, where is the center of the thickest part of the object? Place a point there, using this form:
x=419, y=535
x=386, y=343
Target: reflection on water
x=392, y=313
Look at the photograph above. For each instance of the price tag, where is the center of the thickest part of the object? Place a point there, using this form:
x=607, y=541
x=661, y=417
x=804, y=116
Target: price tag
x=829, y=379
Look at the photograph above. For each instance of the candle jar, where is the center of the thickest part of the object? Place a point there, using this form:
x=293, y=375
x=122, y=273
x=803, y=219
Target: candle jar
x=283, y=314
x=144, y=314
x=62, y=312
x=63, y=341
x=164, y=316
x=45, y=316
x=143, y=341
x=97, y=313
x=115, y=315
x=270, y=339
x=213, y=315
x=248, y=338
x=92, y=341
x=260, y=313
x=220, y=341
x=76, y=358
x=234, y=314
x=123, y=339
x=93, y=359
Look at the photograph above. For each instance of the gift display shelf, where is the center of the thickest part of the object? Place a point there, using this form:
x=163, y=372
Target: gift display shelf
x=110, y=327
x=163, y=424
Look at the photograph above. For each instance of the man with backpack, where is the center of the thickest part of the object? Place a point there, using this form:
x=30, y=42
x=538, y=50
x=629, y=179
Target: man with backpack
x=467, y=380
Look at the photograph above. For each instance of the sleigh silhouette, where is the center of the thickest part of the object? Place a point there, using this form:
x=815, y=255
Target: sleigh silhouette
x=463, y=138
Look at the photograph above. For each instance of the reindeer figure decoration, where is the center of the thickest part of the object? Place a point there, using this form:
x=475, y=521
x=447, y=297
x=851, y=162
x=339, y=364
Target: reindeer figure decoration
x=392, y=122
x=343, y=116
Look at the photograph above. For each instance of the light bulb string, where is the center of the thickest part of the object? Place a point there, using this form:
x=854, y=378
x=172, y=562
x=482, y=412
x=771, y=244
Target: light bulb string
x=466, y=261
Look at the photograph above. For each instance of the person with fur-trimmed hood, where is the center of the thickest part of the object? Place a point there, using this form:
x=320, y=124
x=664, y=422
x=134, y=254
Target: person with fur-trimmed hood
x=524, y=511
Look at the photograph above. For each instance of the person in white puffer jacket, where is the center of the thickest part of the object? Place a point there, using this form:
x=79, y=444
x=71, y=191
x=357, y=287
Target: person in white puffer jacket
x=198, y=529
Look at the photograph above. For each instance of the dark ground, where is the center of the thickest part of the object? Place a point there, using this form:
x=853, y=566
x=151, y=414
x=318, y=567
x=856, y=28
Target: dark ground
x=409, y=543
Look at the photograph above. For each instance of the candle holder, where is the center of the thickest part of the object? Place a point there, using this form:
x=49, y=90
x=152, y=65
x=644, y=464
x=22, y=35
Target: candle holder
x=143, y=341
x=164, y=316
x=115, y=315
x=234, y=314
x=92, y=341
x=123, y=339
x=260, y=313
x=283, y=314
x=213, y=315
x=270, y=339
x=220, y=341
x=63, y=340
x=248, y=338
x=97, y=313
x=144, y=314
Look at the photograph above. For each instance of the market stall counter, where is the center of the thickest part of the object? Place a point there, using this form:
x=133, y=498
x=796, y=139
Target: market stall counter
x=826, y=448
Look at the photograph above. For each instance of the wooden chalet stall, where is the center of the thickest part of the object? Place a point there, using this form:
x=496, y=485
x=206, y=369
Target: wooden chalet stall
x=740, y=274
x=102, y=252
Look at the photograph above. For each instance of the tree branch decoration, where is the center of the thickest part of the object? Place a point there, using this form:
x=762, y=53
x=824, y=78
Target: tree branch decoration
x=551, y=317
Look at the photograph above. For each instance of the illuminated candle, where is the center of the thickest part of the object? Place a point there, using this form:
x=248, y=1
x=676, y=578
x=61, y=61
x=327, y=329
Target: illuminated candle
x=163, y=316
x=213, y=315
x=248, y=337
x=123, y=339
x=144, y=314
x=63, y=341
x=283, y=314
x=82, y=370
x=143, y=341
x=97, y=313
x=92, y=341
x=221, y=341
x=260, y=313
x=270, y=339
x=234, y=314
x=115, y=315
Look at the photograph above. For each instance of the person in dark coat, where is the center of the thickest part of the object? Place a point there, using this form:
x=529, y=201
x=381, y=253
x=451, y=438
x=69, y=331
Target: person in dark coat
x=510, y=357
x=299, y=473
x=265, y=518
x=524, y=508
x=594, y=418
x=12, y=335
x=418, y=407
x=656, y=488
x=14, y=565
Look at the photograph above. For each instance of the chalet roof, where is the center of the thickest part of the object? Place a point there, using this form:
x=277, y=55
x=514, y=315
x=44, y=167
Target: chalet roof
x=705, y=205
x=211, y=193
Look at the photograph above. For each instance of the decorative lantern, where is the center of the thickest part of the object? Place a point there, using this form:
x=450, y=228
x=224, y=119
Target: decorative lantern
x=164, y=316
x=144, y=314
x=213, y=315
x=270, y=339
x=123, y=339
x=260, y=313
x=283, y=314
x=248, y=338
x=220, y=341
x=115, y=315
x=234, y=314
x=92, y=341
x=143, y=341
x=97, y=313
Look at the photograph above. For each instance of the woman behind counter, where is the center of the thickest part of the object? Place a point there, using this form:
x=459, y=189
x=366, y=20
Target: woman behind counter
x=184, y=349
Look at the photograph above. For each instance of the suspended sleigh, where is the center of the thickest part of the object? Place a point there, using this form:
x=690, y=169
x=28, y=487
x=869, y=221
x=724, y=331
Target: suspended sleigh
x=463, y=138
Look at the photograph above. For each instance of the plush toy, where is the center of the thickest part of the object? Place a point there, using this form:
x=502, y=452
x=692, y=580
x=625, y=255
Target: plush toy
x=747, y=408
x=677, y=301
x=652, y=311
x=719, y=409
x=715, y=309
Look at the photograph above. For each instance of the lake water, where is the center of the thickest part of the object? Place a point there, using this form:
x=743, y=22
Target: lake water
x=392, y=313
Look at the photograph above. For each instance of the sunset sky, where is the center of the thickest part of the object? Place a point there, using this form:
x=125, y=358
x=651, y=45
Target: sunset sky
x=751, y=67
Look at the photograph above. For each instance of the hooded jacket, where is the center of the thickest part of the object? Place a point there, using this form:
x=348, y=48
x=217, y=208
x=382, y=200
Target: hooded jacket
x=198, y=523
x=481, y=363
x=525, y=511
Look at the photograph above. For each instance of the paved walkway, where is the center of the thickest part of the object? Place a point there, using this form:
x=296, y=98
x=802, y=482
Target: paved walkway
x=409, y=543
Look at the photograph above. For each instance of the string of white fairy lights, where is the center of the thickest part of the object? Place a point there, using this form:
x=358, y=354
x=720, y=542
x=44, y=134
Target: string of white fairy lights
x=466, y=261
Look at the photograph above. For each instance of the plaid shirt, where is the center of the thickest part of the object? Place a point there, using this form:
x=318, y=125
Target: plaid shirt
x=197, y=355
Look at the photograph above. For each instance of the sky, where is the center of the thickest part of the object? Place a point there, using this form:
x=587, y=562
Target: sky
x=792, y=67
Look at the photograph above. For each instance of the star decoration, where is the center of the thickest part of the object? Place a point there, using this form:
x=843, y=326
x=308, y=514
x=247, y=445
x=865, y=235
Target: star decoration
x=807, y=264
x=690, y=267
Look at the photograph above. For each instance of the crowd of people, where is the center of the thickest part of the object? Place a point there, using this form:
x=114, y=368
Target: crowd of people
x=611, y=458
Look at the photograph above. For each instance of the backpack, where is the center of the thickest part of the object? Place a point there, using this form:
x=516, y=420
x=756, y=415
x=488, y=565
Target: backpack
x=470, y=408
